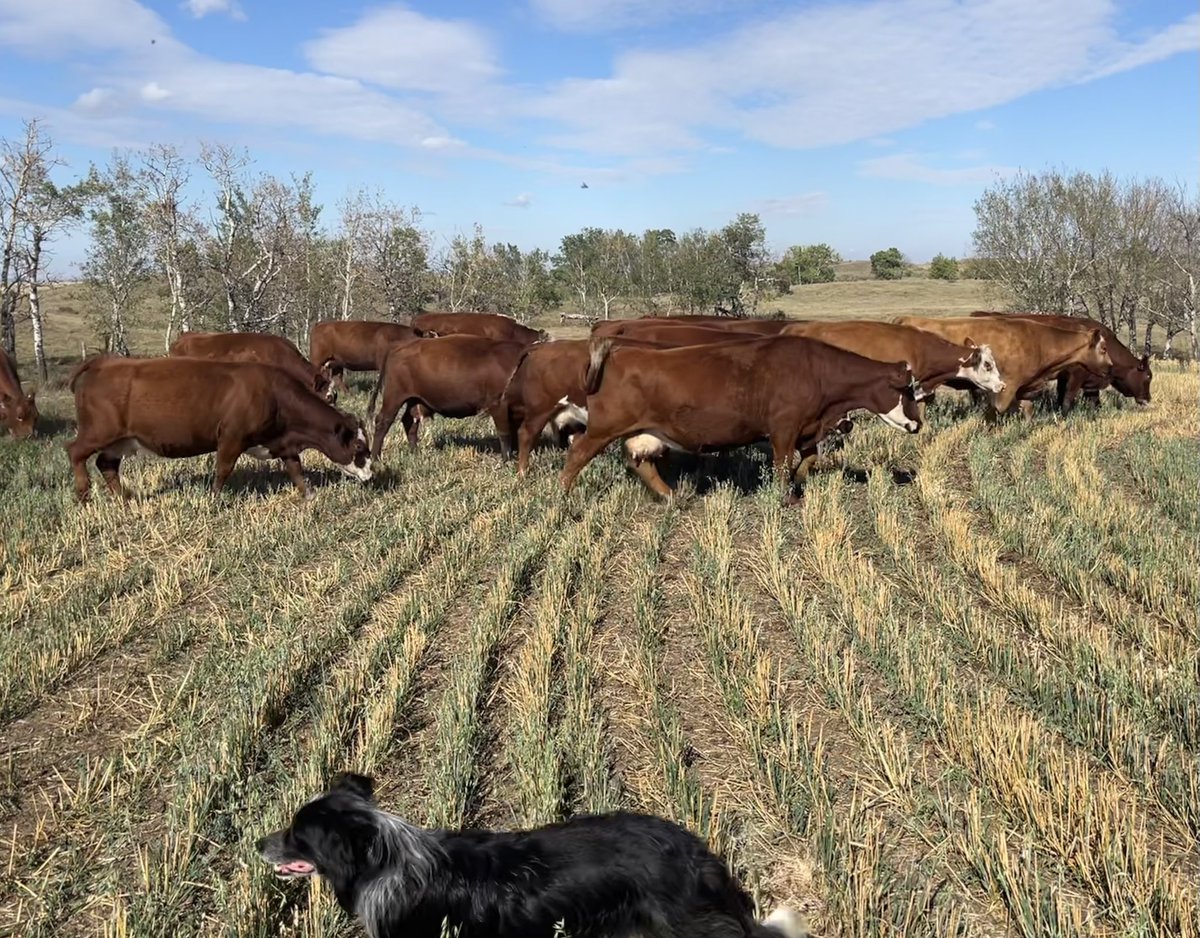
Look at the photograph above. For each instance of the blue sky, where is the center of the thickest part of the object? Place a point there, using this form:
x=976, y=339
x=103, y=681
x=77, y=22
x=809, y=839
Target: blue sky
x=864, y=123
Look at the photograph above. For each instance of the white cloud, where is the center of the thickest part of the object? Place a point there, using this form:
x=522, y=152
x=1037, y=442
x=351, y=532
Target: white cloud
x=405, y=50
x=95, y=99
x=604, y=15
x=153, y=91
x=805, y=204
x=911, y=168
x=523, y=200
x=201, y=8
x=1183, y=36
x=985, y=125
x=813, y=77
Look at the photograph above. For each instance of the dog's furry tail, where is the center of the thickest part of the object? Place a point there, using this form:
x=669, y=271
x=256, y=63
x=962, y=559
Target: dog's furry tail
x=783, y=922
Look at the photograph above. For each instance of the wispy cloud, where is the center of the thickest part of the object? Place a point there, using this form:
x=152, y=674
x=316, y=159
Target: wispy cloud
x=608, y=15
x=985, y=125
x=202, y=8
x=523, y=200
x=153, y=91
x=911, y=167
x=398, y=48
x=805, y=204
x=807, y=79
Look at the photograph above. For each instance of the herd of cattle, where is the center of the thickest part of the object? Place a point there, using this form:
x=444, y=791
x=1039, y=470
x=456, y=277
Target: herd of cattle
x=687, y=383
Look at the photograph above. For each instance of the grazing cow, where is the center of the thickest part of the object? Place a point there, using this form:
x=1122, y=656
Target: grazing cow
x=487, y=325
x=547, y=388
x=259, y=347
x=455, y=376
x=18, y=412
x=1131, y=376
x=1029, y=354
x=787, y=389
x=178, y=407
x=633, y=328
x=354, y=344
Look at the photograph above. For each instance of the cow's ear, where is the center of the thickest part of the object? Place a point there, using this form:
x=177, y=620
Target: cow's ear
x=1097, y=338
x=970, y=343
x=361, y=785
x=1145, y=365
x=32, y=395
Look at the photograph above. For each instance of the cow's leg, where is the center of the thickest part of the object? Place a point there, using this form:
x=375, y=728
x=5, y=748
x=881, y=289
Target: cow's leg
x=110, y=468
x=648, y=471
x=1026, y=409
x=584, y=449
x=782, y=448
x=383, y=423
x=411, y=421
x=808, y=458
x=228, y=452
x=375, y=396
x=295, y=472
x=527, y=435
x=1069, y=383
x=79, y=453
x=500, y=418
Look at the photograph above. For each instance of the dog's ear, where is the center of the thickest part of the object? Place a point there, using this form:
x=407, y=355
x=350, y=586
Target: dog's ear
x=362, y=785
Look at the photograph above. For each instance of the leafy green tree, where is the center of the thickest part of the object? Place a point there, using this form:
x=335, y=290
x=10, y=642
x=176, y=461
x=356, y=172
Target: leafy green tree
x=888, y=264
x=943, y=268
x=809, y=263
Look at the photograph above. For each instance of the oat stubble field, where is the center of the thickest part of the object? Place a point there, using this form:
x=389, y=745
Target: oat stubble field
x=964, y=705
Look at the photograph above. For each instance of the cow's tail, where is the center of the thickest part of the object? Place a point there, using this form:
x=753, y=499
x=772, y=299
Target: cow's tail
x=513, y=377
x=598, y=350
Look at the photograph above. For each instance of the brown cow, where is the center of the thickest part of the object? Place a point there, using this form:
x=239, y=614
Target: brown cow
x=547, y=388
x=633, y=328
x=488, y=325
x=187, y=407
x=259, y=347
x=677, y=336
x=1029, y=354
x=787, y=389
x=455, y=376
x=1131, y=376
x=18, y=411
x=357, y=345
x=933, y=360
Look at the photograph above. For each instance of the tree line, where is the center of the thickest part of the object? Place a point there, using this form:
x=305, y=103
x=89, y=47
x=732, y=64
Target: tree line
x=260, y=253
x=1123, y=252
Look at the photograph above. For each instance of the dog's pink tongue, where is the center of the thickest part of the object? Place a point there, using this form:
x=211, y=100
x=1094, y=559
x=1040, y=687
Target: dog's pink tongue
x=298, y=867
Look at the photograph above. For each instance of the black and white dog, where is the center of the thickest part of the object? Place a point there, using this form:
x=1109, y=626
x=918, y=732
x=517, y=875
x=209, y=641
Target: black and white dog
x=603, y=876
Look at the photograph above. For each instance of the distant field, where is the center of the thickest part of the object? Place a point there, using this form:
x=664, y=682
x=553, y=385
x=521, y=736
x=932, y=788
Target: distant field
x=68, y=306
x=966, y=705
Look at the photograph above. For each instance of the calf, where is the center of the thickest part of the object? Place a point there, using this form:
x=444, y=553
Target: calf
x=1028, y=353
x=455, y=376
x=259, y=347
x=486, y=325
x=18, y=411
x=787, y=389
x=357, y=345
x=179, y=407
x=1130, y=375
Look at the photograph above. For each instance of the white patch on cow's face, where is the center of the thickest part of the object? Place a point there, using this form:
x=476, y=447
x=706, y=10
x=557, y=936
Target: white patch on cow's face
x=361, y=436
x=986, y=374
x=258, y=452
x=360, y=473
x=569, y=415
x=898, y=419
x=649, y=446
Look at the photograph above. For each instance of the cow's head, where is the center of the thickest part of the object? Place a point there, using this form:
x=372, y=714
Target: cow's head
x=1095, y=355
x=351, y=451
x=19, y=415
x=1134, y=381
x=323, y=386
x=895, y=399
x=980, y=368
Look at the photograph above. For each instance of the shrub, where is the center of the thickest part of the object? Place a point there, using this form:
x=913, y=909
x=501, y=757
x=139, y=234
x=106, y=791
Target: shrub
x=943, y=268
x=888, y=264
